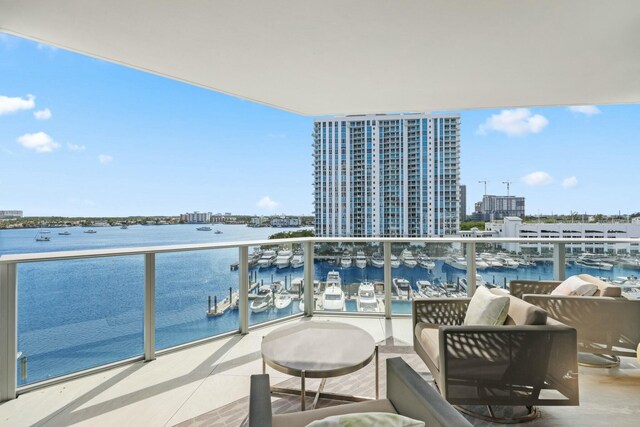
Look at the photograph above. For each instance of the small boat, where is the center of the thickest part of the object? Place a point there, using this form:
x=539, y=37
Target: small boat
x=298, y=260
x=203, y=228
x=43, y=239
x=64, y=233
x=377, y=261
x=90, y=231
x=263, y=300
x=282, y=300
x=427, y=290
x=346, y=261
x=426, y=262
x=408, y=259
x=333, y=277
x=593, y=261
x=124, y=227
x=217, y=232
x=283, y=260
x=333, y=298
x=403, y=288
x=366, y=300
x=395, y=262
x=361, y=260
x=481, y=264
x=508, y=262
x=457, y=262
x=267, y=259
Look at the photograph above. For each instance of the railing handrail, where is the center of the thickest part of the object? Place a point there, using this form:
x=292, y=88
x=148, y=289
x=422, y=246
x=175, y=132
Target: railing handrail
x=100, y=253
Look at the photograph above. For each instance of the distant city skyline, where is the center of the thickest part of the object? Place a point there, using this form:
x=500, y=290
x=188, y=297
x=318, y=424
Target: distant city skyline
x=83, y=137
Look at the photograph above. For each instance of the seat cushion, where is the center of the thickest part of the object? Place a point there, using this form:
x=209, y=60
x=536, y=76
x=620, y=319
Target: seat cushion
x=429, y=339
x=604, y=289
x=523, y=313
x=300, y=419
x=575, y=286
x=367, y=419
x=487, y=308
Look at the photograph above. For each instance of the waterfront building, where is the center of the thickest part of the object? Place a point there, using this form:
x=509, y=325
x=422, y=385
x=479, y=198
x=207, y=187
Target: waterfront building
x=387, y=175
x=463, y=203
x=10, y=214
x=493, y=207
x=196, y=217
x=285, y=221
x=514, y=227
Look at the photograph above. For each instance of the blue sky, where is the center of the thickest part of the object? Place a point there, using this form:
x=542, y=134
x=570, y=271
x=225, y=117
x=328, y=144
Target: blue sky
x=79, y=136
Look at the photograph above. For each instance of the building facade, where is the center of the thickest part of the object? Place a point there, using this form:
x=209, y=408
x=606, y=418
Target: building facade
x=498, y=207
x=387, y=175
x=10, y=214
x=286, y=221
x=463, y=203
x=196, y=217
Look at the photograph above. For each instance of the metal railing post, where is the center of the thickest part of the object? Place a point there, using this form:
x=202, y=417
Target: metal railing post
x=471, y=268
x=559, y=259
x=308, y=278
x=243, y=286
x=8, y=331
x=149, y=307
x=387, y=279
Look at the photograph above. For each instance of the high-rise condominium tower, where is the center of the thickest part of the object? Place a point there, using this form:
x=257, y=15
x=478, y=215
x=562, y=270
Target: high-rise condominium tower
x=387, y=175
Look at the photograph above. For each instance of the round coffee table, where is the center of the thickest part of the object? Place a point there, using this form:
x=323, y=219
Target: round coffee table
x=315, y=349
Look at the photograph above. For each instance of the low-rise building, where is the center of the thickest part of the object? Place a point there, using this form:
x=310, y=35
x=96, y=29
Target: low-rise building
x=196, y=217
x=286, y=221
x=10, y=214
x=492, y=208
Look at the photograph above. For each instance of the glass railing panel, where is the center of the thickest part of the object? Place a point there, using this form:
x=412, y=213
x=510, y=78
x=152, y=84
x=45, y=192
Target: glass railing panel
x=78, y=314
x=192, y=295
x=275, y=282
x=521, y=261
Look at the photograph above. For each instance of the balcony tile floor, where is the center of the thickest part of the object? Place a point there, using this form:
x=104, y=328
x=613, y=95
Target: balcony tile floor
x=180, y=386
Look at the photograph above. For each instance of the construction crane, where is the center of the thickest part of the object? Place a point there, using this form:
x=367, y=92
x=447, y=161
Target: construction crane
x=508, y=183
x=485, y=186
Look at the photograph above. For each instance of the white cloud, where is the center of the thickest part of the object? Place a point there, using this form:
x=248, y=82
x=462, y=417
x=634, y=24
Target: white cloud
x=587, y=110
x=105, y=159
x=11, y=105
x=40, y=141
x=42, y=114
x=516, y=122
x=42, y=46
x=267, y=203
x=537, y=178
x=76, y=147
x=570, y=182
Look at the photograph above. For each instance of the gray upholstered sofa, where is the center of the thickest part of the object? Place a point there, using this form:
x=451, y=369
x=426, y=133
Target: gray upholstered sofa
x=607, y=323
x=530, y=360
x=407, y=394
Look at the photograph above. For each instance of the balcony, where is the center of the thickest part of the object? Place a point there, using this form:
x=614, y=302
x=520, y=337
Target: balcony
x=201, y=373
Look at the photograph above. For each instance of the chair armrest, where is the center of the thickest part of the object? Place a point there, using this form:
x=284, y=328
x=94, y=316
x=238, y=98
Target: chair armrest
x=260, y=401
x=412, y=397
x=440, y=311
x=517, y=288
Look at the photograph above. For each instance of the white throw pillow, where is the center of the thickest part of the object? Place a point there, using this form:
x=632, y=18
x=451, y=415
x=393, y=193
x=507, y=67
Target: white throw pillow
x=487, y=309
x=575, y=286
x=367, y=419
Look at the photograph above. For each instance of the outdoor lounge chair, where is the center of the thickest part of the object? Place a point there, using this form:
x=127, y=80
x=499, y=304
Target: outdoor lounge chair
x=530, y=360
x=407, y=394
x=608, y=324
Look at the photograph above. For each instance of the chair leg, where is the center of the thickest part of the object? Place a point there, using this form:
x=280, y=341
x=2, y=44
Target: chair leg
x=531, y=415
x=592, y=360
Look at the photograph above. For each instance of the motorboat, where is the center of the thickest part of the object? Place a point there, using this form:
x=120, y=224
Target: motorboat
x=481, y=264
x=64, y=233
x=263, y=300
x=282, y=299
x=408, y=259
x=395, y=262
x=457, y=262
x=333, y=277
x=491, y=260
x=428, y=290
x=426, y=262
x=361, y=260
x=297, y=286
x=90, y=231
x=377, y=261
x=283, y=260
x=479, y=282
x=508, y=262
x=630, y=263
x=267, y=259
x=346, y=261
x=366, y=300
x=43, y=239
x=298, y=260
x=199, y=229
x=593, y=261
x=124, y=227
x=403, y=288
x=333, y=298
x=217, y=232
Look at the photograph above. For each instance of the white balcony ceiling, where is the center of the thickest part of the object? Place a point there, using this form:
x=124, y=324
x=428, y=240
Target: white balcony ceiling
x=360, y=56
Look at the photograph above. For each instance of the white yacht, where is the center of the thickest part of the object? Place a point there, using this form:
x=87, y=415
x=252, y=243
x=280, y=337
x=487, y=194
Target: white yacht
x=333, y=298
x=491, y=260
x=408, y=259
x=283, y=260
x=361, y=260
x=333, y=277
x=367, y=301
x=508, y=262
x=593, y=261
x=346, y=261
x=267, y=259
x=199, y=229
x=403, y=288
x=282, y=300
x=377, y=261
x=298, y=260
x=427, y=290
x=457, y=262
x=481, y=264
x=263, y=301
x=395, y=262
x=426, y=262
